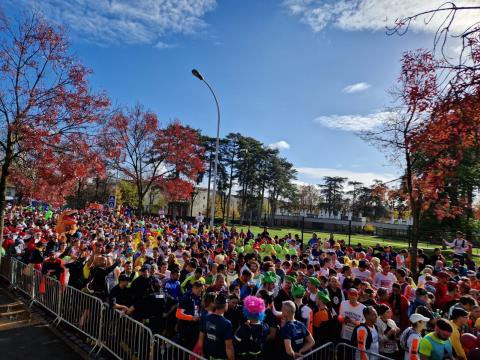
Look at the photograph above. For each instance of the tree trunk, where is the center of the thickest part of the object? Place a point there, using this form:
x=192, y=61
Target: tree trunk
x=415, y=209
x=469, y=212
x=3, y=183
x=230, y=185
x=224, y=206
x=140, y=206
x=97, y=185
x=242, y=204
x=140, y=196
x=79, y=190
x=260, y=205
x=208, y=187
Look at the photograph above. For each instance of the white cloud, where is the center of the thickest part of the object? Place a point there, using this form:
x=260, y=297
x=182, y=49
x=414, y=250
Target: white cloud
x=315, y=175
x=377, y=14
x=357, y=87
x=280, y=145
x=354, y=122
x=124, y=21
x=162, y=45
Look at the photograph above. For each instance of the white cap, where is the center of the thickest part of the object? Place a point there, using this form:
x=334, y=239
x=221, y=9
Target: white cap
x=418, y=317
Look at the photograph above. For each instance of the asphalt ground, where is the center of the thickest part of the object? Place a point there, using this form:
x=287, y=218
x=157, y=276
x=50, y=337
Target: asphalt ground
x=32, y=341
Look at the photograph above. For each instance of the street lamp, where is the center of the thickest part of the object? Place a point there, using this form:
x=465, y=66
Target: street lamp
x=199, y=76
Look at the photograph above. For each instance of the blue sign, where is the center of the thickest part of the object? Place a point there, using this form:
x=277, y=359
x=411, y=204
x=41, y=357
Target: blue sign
x=111, y=201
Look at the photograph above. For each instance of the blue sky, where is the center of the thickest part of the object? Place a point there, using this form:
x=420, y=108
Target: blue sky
x=301, y=74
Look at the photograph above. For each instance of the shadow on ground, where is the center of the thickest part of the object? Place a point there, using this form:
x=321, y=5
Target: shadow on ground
x=34, y=340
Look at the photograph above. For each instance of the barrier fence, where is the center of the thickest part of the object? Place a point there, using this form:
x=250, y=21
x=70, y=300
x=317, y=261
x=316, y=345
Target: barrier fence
x=22, y=277
x=345, y=351
x=108, y=329
x=47, y=292
x=5, y=268
x=124, y=337
x=119, y=334
x=165, y=349
x=83, y=312
x=324, y=352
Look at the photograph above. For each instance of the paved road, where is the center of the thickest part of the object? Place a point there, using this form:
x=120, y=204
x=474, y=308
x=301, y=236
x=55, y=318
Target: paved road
x=32, y=341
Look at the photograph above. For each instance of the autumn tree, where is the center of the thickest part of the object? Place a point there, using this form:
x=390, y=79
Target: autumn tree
x=458, y=72
x=416, y=96
x=445, y=147
x=148, y=155
x=52, y=176
x=448, y=149
x=46, y=107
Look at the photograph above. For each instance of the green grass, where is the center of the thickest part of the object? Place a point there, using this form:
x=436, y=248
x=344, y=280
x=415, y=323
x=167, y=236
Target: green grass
x=365, y=240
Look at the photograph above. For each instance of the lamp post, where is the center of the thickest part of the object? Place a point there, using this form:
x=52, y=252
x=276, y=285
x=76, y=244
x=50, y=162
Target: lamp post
x=199, y=76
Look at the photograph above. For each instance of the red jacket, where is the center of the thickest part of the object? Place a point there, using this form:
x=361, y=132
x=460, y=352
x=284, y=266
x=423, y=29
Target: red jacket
x=400, y=311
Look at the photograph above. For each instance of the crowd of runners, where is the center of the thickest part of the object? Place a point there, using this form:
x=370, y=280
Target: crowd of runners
x=226, y=293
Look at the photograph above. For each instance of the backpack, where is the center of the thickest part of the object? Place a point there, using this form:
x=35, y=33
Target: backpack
x=463, y=243
x=254, y=340
x=369, y=339
x=298, y=314
x=404, y=338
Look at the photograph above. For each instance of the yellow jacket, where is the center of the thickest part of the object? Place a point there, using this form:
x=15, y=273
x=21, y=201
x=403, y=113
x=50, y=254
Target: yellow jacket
x=456, y=342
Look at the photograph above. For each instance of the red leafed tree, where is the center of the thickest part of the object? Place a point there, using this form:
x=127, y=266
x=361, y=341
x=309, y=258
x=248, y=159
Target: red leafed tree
x=46, y=106
x=449, y=148
x=53, y=176
x=148, y=155
x=416, y=95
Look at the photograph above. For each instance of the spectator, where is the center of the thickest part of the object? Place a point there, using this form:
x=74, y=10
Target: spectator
x=459, y=245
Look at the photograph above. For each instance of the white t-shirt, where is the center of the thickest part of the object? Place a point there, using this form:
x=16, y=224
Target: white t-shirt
x=460, y=246
x=421, y=280
x=386, y=344
x=410, y=341
x=400, y=261
x=384, y=281
x=362, y=275
x=354, y=313
x=179, y=255
x=374, y=347
x=324, y=272
x=305, y=314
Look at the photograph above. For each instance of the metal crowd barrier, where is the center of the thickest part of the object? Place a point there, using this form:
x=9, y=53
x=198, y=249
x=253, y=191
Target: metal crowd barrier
x=117, y=333
x=124, y=337
x=165, y=349
x=82, y=311
x=22, y=277
x=349, y=352
x=5, y=268
x=47, y=292
x=324, y=352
